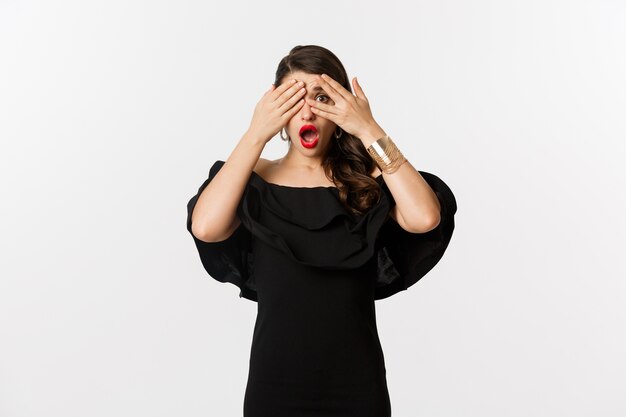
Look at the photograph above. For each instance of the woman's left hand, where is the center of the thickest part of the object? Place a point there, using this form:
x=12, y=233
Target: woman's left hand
x=351, y=113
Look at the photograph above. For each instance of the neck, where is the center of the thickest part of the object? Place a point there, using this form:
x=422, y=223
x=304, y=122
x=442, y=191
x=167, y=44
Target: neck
x=295, y=159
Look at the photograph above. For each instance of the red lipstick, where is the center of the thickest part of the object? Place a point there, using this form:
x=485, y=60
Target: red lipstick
x=309, y=136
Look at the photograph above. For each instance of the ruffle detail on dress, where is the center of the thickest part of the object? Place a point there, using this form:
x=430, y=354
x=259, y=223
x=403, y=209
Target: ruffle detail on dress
x=230, y=260
x=403, y=258
x=311, y=227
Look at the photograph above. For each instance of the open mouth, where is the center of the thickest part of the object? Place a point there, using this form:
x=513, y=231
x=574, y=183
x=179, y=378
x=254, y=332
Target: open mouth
x=308, y=133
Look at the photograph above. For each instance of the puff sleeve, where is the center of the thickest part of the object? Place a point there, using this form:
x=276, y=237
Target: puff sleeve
x=402, y=257
x=229, y=260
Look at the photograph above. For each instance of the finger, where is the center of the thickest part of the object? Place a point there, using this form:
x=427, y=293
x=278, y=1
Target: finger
x=332, y=93
x=296, y=108
x=337, y=87
x=324, y=114
x=320, y=106
x=358, y=90
x=282, y=88
x=288, y=94
x=292, y=100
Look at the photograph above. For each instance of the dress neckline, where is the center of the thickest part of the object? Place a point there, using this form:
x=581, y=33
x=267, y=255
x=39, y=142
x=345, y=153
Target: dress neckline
x=317, y=187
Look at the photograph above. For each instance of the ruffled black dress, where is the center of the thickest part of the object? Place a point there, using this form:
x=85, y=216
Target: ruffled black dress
x=315, y=271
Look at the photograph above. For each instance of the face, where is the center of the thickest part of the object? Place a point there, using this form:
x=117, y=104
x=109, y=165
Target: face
x=324, y=127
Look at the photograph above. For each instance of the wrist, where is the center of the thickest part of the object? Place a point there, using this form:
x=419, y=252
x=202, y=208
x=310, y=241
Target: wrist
x=254, y=138
x=371, y=134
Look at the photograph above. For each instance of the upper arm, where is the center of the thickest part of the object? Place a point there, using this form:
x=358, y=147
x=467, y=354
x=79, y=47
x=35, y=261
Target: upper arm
x=235, y=223
x=260, y=164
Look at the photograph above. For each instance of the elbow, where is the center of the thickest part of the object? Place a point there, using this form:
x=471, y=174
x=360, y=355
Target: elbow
x=204, y=234
x=426, y=223
x=211, y=234
x=434, y=222
x=199, y=233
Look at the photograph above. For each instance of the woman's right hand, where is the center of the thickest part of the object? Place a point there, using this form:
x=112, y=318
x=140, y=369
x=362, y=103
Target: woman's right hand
x=275, y=108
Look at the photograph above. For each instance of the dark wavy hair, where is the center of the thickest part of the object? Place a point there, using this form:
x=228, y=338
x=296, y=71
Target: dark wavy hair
x=347, y=162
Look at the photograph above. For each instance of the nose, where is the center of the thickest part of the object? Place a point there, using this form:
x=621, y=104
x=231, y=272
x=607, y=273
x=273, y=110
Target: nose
x=306, y=112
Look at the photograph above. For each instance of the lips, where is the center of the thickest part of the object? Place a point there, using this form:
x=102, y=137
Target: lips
x=308, y=133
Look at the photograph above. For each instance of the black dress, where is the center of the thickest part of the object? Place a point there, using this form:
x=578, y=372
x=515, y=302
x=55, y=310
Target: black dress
x=315, y=271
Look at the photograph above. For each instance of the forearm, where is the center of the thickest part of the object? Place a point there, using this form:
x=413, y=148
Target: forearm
x=416, y=203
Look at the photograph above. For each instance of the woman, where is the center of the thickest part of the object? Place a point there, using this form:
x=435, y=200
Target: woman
x=317, y=236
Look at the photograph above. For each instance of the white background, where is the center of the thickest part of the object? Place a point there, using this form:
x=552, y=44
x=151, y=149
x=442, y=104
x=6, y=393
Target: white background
x=112, y=112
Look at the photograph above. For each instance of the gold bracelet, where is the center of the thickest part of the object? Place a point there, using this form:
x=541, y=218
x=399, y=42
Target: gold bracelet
x=386, y=154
